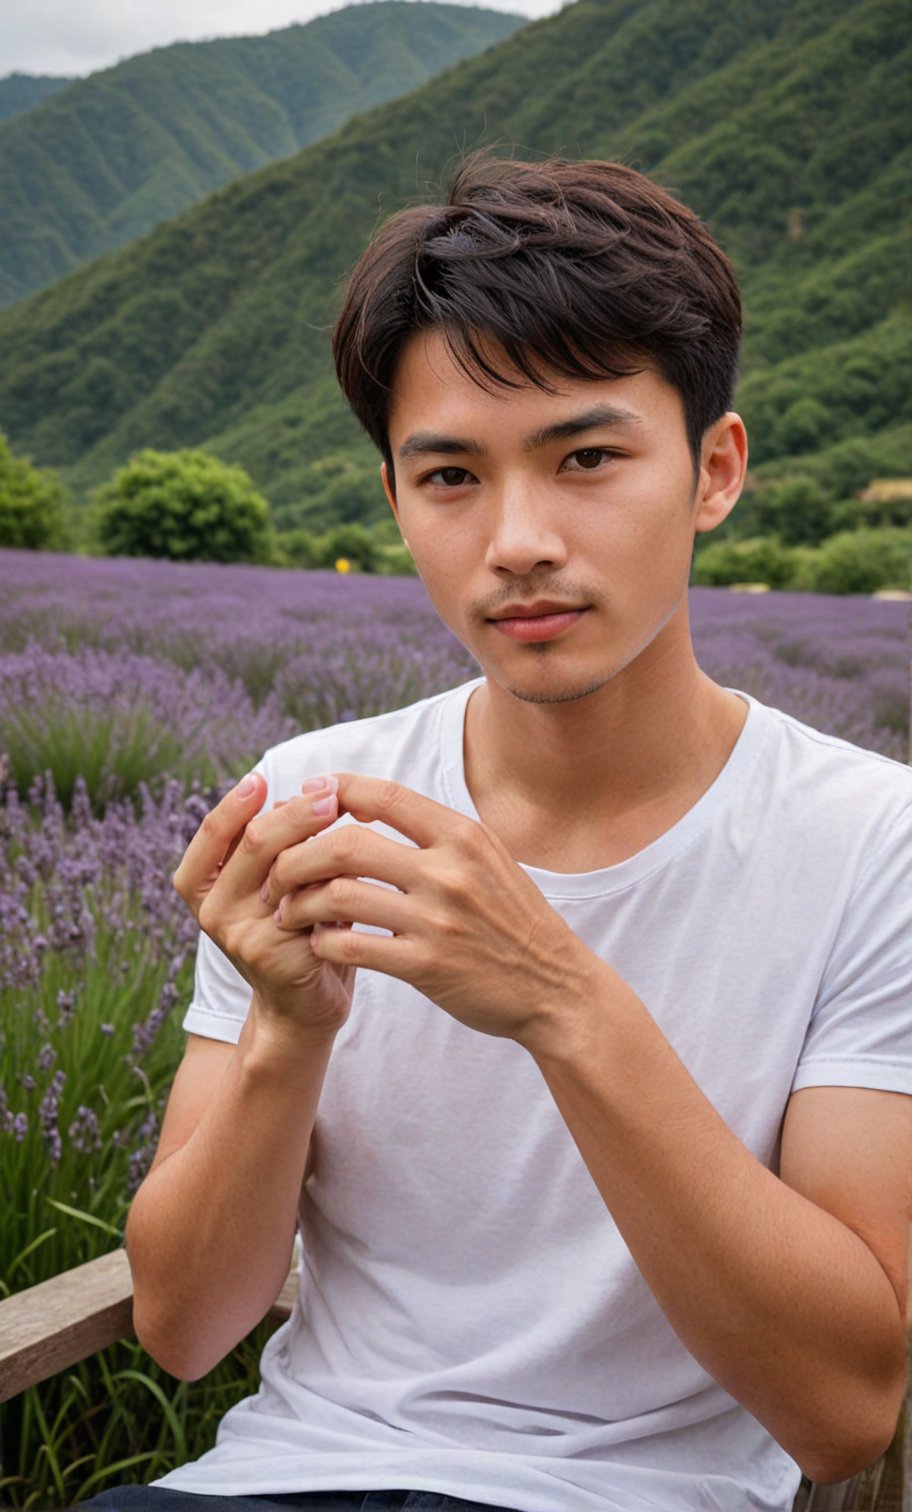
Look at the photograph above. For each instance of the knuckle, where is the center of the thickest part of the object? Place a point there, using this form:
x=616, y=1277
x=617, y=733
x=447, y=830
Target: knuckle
x=423, y=960
x=448, y=928
x=210, y=828
x=458, y=884
x=346, y=844
x=251, y=839
x=340, y=891
x=473, y=841
x=349, y=946
x=389, y=793
x=232, y=941
x=206, y=918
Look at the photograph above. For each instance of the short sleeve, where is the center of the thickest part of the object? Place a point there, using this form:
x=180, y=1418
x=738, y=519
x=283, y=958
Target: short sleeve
x=860, y=1034
x=221, y=997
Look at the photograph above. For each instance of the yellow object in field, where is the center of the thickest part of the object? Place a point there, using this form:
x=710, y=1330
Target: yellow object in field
x=343, y=564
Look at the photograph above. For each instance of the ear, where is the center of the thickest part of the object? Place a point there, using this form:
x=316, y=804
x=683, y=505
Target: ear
x=391, y=500
x=723, y=466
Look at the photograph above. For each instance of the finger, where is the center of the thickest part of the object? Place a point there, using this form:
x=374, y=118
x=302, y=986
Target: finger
x=420, y=819
x=349, y=947
x=269, y=834
x=217, y=837
x=352, y=851
x=344, y=900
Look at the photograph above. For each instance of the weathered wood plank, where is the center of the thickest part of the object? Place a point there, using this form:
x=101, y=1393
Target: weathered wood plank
x=59, y=1322
x=284, y=1302
x=52, y=1325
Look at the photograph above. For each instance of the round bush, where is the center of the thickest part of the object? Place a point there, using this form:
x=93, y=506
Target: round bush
x=187, y=506
x=31, y=501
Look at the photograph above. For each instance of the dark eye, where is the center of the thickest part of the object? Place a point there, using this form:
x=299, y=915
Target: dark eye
x=450, y=477
x=589, y=457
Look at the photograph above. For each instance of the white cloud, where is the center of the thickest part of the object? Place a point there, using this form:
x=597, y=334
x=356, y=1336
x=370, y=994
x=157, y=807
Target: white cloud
x=65, y=37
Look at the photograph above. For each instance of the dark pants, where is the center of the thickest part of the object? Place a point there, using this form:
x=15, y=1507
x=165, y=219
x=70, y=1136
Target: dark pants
x=160, y=1499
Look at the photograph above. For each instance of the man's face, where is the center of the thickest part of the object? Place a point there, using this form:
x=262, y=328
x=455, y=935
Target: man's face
x=553, y=532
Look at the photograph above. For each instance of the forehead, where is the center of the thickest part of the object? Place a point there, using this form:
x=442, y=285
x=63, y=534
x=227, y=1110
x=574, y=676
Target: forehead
x=431, y=391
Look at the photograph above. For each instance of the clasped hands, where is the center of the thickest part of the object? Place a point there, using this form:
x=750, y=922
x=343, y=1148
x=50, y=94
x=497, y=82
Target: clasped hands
x=278, y=892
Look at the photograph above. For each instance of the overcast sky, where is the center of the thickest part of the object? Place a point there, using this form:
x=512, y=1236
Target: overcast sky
x=79, y=36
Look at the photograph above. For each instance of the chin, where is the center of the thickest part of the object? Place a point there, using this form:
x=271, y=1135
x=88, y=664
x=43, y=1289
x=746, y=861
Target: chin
x=553, y=690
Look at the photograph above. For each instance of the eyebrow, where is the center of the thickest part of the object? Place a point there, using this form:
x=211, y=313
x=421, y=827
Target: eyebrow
x=431, y=443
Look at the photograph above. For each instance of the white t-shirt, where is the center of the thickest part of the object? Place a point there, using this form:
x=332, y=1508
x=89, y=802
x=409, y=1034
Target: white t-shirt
x=470, y=1320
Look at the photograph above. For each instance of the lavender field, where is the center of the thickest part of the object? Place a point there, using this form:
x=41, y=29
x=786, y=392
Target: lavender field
x=130, y=694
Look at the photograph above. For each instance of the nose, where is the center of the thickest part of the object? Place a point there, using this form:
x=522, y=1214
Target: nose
x=525, y=532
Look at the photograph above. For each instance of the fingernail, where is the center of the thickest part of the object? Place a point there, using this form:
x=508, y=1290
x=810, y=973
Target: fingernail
x=246, y=786
x=320, y=784
x=323, y=806
x=279, y=911
x=264, y=891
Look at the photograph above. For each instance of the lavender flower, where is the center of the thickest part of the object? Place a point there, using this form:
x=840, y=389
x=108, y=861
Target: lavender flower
x=131, y=694
x=48, y=1113
x=84, y=1132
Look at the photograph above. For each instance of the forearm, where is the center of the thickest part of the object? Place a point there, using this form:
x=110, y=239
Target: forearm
x=780, y=1302
x=210, y=1232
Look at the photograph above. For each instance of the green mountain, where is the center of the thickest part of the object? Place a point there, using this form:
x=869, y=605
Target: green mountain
x=783, y=122
x=21, y=92
x=136, y=144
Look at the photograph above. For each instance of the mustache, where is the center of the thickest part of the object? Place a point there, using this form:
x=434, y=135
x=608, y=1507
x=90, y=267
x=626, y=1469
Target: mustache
x=560, y=590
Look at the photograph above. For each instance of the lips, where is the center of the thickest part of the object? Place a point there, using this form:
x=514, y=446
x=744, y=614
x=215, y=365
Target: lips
x=534, y=611
x=533, y=623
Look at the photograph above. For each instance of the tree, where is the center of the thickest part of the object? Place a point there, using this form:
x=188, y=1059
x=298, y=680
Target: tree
x=185, y=505
x=798, y=510
x=806, y=426
x=31, y=503
x=354, y=543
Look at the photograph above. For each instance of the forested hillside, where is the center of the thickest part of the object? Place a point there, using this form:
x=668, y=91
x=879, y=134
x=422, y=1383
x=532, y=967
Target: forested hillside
x=20, y=92
x=783, y=122
x=138, y=143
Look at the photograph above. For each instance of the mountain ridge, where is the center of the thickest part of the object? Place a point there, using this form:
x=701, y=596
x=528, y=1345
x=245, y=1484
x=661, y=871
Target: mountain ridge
x=103, y=162
x=194, y=336
x=23, y=91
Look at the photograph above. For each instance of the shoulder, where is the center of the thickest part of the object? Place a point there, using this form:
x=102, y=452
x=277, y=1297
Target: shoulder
x=816, y=780
x=400, y=744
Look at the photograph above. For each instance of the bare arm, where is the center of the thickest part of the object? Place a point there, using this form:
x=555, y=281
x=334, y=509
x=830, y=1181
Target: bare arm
x=791, y=1292
x=210, y=1231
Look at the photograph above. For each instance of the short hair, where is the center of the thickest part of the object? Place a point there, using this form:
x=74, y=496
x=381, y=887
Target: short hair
x=583, y=270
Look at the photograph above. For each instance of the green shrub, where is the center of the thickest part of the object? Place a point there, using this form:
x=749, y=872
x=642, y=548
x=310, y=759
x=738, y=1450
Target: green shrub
x=298, y=548
x=187, y=506
x=761, y=559
x=365, y=548
x=861, y=561
x=396, y=561
x=798, y=510
x=31, y=503
x=351, y=543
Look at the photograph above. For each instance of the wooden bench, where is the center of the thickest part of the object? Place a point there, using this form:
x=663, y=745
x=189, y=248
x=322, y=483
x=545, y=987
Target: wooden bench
x=56, y=1324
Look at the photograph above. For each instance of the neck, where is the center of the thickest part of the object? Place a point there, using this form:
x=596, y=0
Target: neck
x=603, y=775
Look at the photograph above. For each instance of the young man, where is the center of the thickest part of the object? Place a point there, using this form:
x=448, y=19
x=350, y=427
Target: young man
x=573, y=1049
